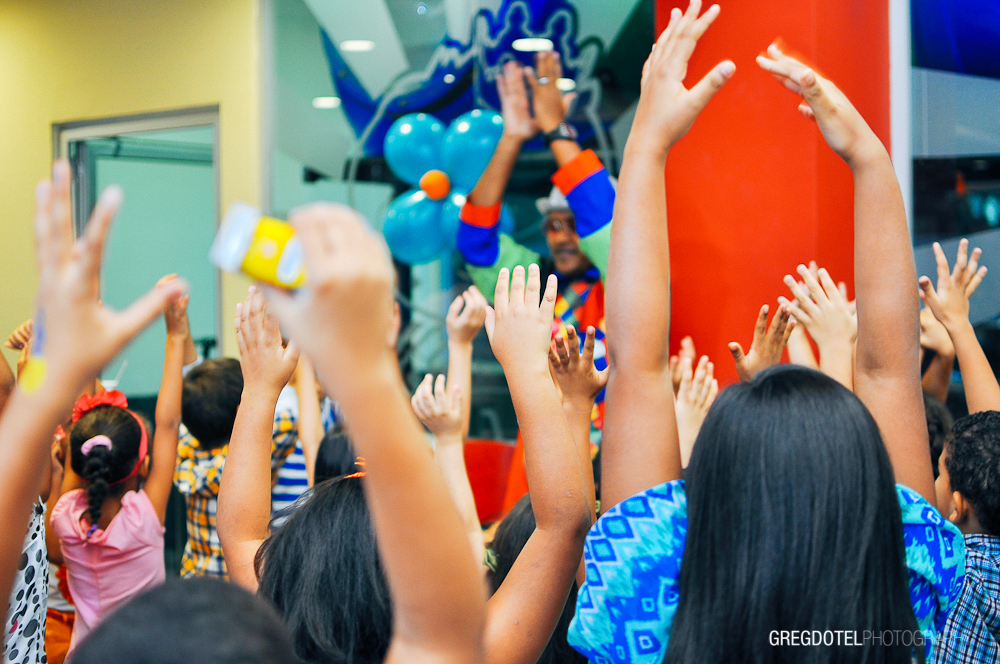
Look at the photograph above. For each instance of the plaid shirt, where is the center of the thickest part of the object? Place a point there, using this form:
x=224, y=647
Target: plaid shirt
x=197, y=476
x=972, y=633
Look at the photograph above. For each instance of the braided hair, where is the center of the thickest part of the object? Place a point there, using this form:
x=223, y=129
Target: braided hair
x=101, y=467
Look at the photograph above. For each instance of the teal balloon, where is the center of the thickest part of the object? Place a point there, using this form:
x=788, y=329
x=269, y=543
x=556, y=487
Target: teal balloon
x=450, y=218
x=412, y=228
x=413, y=146
x=468, y=146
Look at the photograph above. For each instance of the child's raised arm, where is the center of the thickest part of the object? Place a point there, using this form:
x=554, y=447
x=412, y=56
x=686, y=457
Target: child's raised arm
x=887, y=374
x=168, y=404
x=440, y=409
x=579, y=384
x=465, y=318
x=949, y=303
x=524, y=611
x=75, y=337
x=244, y=511
x=640, y=448
x=341, y=320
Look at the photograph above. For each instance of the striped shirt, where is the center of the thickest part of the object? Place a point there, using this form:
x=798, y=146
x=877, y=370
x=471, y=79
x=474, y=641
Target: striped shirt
x=293, y=480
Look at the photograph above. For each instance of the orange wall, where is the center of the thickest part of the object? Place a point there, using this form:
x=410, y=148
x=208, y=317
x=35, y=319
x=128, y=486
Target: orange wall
x=753, y=190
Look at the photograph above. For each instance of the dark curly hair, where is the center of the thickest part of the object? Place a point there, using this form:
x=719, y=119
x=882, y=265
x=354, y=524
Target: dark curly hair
x=973, y=462
x=101, y=467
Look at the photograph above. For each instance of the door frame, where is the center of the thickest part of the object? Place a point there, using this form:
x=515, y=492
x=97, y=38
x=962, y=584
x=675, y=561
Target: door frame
x=82, y=189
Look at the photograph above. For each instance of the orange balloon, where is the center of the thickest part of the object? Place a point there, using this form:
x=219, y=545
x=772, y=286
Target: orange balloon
x=435, y=184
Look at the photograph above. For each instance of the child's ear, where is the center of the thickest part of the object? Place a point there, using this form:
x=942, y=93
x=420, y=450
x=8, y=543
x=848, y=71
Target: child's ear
x=962, y=510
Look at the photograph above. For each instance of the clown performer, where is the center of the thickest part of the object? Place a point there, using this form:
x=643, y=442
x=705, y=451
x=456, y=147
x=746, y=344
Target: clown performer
x=576, y=216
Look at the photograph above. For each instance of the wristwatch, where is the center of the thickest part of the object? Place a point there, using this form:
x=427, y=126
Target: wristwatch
x=564, y=132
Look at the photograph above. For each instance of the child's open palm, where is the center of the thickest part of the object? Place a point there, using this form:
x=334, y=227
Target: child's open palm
x=439, y=409
x=466, y=315
x=76, y=334
x=265, y=363
x=768, y=343
x=519, y=325
x=574, y=370
x=843, y=128
x=666, y=108
x=949, y=302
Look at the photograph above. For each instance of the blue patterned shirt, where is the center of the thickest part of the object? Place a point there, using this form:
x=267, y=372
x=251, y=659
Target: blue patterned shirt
x=625, y=610
x=972, y=633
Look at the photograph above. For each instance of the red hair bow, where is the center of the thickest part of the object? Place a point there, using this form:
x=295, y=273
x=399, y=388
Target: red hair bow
x=102, y=398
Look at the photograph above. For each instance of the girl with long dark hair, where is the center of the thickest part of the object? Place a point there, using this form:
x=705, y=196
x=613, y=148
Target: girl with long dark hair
x=805, y=528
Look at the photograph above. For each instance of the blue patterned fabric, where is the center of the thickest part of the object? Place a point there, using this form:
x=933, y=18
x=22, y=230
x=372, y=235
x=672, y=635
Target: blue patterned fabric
x=935, y=558
x=625, y=610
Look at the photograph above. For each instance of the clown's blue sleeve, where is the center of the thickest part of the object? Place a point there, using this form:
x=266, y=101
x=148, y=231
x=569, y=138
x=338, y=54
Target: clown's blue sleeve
x=485, y=249
x=587, y=187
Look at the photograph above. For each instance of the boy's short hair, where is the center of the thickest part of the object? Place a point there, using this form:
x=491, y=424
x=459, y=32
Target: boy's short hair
x=939, y=424
x=196, y=621
x=973, y=463
x=211, y=397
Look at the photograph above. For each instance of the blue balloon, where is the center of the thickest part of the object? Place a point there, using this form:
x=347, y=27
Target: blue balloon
x=468, y=146
x=412, y=228
x=413, y=146
x=450, y=218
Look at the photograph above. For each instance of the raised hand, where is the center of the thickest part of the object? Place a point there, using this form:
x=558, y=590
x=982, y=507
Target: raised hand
x=933, y=335
x=519, y=325
x=676, y=370
x=666, y=108
x=78, y=335
x=518, y=121
x=843, y=128
x=768, y=343
x=821, y=306
x=696, y=395
x=342, y=318
x=439, y=409
x=20, y=337
x=551, y=105
x=950, y=300
x=175, y=313
x=466, y=316
x=265, y=363
x=578, y=378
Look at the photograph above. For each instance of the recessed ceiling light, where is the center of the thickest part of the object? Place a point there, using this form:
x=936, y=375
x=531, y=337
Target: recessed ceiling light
x=565, y=84
x=326, y=102
x=357, y=45
x=449, y=78
x=532, y=44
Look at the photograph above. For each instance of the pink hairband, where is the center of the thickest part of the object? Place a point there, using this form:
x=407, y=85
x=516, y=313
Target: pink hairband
x=96, y=441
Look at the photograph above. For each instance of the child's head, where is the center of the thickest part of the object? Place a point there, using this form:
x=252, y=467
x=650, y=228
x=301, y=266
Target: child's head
x=196, y=621
x=939, y=424
x=322, y=571
x=211, y=397
x=968, y=486
x=336, y=456
x=793, y=520
x=109, y=450
x=511, y=536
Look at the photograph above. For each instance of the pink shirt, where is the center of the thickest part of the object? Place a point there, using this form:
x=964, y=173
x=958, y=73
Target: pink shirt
x=115, y=564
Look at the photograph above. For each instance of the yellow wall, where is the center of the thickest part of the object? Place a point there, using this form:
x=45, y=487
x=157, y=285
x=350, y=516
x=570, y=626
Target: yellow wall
x=63, y=60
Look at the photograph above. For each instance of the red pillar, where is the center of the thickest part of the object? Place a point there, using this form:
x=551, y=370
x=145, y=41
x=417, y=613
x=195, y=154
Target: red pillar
x=753, y=190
